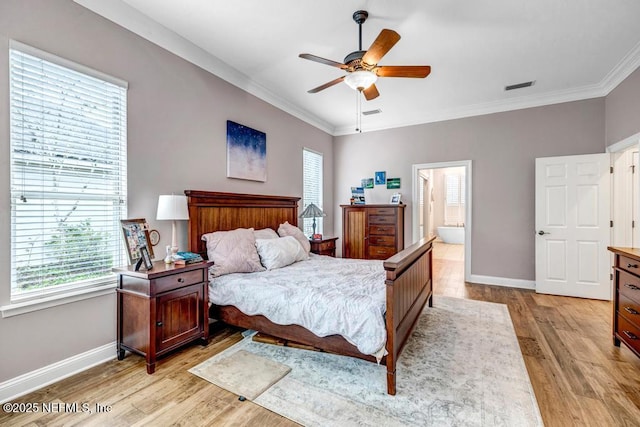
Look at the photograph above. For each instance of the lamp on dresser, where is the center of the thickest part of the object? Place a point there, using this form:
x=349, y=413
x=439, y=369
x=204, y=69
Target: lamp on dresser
x=174, y=208
x=312, y=211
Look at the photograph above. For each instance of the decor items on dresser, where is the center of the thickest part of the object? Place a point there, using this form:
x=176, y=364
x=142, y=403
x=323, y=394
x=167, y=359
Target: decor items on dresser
x=626, y=294
x=312, y=211
x=372, y=231
x=246, y=153
x=173, y=208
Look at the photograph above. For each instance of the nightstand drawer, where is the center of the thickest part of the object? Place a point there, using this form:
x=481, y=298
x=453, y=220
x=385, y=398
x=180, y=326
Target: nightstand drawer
x=174, y=281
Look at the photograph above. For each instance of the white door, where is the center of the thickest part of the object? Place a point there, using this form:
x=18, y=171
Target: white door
x=572, y=226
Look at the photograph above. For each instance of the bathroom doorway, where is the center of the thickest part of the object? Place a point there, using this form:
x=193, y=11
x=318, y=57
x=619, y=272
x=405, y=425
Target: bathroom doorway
x=442, y=207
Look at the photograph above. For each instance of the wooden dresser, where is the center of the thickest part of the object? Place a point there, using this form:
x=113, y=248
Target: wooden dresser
x=626, y=293
x=372, y=231
x=161, y=309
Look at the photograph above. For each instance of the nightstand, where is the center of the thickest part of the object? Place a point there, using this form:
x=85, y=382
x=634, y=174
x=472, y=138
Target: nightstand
x=324, y=246
x=161, y=309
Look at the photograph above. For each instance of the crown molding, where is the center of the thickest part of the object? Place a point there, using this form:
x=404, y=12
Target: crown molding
x=133, y=20
x=130, y=18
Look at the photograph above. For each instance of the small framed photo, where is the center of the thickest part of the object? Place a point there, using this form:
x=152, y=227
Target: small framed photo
x=393, y=183
x=381, y=178
x=146, y=258
x=396, y=199
x=136, y=235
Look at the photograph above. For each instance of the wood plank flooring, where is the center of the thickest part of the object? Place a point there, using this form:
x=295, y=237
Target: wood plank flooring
x=579, y=377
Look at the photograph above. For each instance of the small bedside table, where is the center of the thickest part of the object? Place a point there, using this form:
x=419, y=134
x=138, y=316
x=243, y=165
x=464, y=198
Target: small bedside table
x=324, y=246
x=162, y=308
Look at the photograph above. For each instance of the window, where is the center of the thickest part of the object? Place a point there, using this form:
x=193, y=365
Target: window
x=454, y=192
x=68, y=149
x=312, y=187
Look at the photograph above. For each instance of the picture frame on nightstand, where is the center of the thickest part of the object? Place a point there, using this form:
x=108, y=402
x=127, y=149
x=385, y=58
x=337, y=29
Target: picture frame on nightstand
x=136, y=235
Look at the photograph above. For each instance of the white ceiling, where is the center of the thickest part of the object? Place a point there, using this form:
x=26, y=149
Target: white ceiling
x=572, y=49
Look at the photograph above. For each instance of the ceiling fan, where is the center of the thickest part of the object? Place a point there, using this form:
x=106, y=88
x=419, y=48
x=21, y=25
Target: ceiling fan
x=362, y=65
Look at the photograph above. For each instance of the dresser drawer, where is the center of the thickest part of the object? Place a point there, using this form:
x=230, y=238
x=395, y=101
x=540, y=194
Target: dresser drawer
x=381, y=252
x=629, y=309
x=629, y=333
x=382, y=240
x=382, y=219
x=382, y=211
x=629, y=285
x=382, y=230
x=629, y=264
x=174, y=281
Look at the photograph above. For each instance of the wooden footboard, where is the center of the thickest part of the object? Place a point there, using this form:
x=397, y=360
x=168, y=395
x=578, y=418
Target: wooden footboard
x=409, y=274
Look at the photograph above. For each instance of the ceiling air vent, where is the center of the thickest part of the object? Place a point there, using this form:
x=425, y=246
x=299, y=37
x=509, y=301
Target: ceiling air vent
x=370, y=112
x=519, y=85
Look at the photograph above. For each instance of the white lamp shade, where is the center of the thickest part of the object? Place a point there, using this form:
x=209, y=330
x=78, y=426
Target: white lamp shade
x=360, y=80
x=172, y=207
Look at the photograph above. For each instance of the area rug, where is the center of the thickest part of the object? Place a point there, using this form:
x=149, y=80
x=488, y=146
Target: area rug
x=461, y=367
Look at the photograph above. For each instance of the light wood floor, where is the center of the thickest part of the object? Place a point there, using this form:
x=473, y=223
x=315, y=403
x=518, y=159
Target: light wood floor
x=579, y=377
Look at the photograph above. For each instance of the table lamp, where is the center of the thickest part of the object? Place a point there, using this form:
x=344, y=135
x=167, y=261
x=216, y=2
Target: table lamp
x=174, y=208
x=312, y=211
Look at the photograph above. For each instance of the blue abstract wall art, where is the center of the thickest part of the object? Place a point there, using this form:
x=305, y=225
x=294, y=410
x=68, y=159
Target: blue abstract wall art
x=246, y=153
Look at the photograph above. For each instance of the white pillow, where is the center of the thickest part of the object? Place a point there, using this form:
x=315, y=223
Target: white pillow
x=287, y=229
x=265, y=233
x=232, y=251
x=278, y=253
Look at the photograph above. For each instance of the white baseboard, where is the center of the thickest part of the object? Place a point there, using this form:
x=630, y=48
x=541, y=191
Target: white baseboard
x=39, y=378
x=502, y=281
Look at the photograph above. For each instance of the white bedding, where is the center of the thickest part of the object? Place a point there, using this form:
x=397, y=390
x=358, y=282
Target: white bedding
x=323, y=294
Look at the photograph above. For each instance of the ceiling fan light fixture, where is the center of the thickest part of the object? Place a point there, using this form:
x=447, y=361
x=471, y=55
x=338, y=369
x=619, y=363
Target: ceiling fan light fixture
x=360, y=80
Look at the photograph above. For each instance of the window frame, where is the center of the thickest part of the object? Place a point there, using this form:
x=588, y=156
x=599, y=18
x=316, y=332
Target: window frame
x=320, y=192
x=32, y=300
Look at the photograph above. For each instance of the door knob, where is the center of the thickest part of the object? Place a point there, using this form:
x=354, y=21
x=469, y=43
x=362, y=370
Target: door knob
x=542, y=233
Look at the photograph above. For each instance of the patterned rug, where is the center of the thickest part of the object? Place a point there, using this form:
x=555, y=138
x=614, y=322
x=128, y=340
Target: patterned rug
x=461, y=367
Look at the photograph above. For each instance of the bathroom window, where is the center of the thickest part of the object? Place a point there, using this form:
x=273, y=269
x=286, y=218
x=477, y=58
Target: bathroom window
x=454, y=197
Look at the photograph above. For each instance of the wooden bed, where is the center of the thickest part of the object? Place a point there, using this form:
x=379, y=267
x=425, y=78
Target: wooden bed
x=408, y=273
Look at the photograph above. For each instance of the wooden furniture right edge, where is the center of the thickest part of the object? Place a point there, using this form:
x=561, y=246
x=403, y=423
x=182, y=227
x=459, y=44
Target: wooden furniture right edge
x=408, y=273
x=626, y=298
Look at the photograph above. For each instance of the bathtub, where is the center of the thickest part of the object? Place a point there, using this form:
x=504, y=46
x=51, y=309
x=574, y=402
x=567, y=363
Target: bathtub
x=453, y=235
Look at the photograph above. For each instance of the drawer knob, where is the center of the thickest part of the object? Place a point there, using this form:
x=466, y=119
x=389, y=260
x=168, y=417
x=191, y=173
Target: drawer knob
x=158, y=324
x=632, y=265
x=630, y=335
x=180, y=280
x=630, y=310
x=632, y=287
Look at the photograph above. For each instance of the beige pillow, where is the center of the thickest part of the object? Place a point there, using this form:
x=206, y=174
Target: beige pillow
x=265, y=233
x=232, y=251
x=278, y=253
x=287, y=229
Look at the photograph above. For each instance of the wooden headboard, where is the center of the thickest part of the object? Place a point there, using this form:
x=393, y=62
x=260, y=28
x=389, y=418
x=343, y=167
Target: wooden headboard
x=214, y=211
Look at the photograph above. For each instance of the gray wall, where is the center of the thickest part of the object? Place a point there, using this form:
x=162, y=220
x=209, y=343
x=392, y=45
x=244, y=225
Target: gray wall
x=177, y=140
x=623, y=109
x=502, y=148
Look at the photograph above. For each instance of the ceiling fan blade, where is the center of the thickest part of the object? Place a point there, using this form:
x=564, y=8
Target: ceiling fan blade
x=381, y=45
x=326, y=85
x=371, y=92
x=416, y=71
x=323, y=60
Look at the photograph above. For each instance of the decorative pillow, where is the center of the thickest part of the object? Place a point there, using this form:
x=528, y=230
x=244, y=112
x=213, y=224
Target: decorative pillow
x=265, y=233
x=287, y=229
x=232, y=251
x=278, y=253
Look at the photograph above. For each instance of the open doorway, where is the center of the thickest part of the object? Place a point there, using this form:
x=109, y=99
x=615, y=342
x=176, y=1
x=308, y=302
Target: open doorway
x=442, y=208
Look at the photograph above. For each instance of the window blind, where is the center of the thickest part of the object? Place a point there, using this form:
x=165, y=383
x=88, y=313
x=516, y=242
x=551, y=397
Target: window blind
x=454, y=209
x=312, y=187
x=68, y=173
